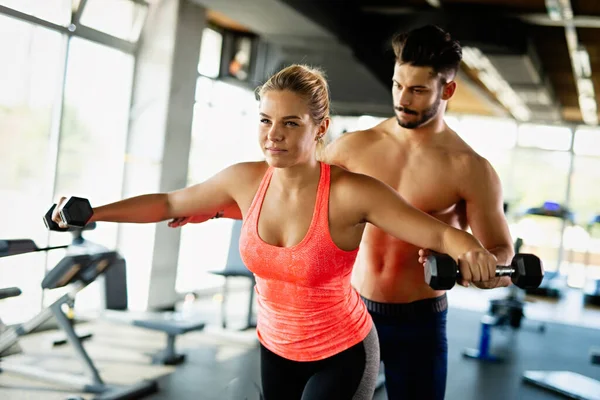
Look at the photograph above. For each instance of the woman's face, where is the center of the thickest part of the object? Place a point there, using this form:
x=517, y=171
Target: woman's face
x=287, y=133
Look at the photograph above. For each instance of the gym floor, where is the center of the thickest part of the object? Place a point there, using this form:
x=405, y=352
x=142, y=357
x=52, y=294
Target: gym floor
x=224, y=365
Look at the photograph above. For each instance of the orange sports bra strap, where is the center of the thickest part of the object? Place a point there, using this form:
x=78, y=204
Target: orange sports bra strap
x=260, y=194
x=323, y=196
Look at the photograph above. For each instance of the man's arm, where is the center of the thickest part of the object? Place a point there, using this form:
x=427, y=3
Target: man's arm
x=482, y=191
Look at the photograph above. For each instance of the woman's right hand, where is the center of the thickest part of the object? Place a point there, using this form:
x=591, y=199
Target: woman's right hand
x=56, y=213
x=177, y=222
x=196, y=219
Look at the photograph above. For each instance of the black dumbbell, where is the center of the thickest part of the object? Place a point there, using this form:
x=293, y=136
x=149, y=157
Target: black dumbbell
x=76, y=212
x=526, y=271
x=51, y=225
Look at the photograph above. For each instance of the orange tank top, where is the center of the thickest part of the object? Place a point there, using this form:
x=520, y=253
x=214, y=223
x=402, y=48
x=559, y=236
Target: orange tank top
x=307, y=308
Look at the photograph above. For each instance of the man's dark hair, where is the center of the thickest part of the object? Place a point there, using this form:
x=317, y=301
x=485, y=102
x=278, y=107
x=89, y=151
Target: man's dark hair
x=428, y=46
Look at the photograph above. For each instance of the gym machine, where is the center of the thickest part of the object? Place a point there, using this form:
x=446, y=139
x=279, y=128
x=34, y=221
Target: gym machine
x=75, y=213
x=78, y=271
x=553, y=282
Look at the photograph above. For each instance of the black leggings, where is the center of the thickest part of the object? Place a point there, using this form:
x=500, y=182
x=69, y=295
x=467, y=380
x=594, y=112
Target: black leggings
x=349, y=375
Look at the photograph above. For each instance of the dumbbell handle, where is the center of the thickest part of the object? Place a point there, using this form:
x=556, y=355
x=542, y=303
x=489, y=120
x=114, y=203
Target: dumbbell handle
x=501, y=270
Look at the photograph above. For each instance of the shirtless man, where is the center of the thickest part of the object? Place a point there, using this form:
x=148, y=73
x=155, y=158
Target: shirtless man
x=417, y=154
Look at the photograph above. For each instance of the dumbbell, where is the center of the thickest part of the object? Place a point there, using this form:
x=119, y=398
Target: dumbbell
x=526, y=271
x=76, y=212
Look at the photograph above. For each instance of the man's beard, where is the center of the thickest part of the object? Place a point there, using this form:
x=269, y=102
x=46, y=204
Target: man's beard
x=425, y=115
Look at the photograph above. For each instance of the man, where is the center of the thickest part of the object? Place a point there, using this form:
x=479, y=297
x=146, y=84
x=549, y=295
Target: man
x=417, y=154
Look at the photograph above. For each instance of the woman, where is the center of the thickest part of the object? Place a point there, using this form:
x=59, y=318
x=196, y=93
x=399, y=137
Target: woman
x=303, y=222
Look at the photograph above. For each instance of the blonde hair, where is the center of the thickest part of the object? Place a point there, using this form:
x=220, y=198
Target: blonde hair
x=307, y=82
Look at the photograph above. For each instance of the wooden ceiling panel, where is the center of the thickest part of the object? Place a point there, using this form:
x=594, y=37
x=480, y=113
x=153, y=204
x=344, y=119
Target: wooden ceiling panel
x=224, y=21
x=393, y=3
x=590, y=39
x=551, y=46
x=572, y=114
x=520, y=5
x=589, y=36
x=469, y=101
x=565, y=89
x=549, y=41
x=586, y=7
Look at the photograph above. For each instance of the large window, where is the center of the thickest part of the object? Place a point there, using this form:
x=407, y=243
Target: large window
x=210, y=54
x=585, y=188
x=493, y=139
x=224, y=132
x=62, y=98
x=545, y=137
x=94, y=131
x=585, y=182
x=119, y=18
x=541, y=174
x=585, y=201
x=94, y=127
x=30, y=78
x=55, y=11
x=586, y=142
x=533, y=163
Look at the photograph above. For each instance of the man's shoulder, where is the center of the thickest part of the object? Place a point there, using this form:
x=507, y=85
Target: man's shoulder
x=345, y=149
x=465, y=161
x=364, y=137
x=469, y=157
x=471, y=166
x=461, y=151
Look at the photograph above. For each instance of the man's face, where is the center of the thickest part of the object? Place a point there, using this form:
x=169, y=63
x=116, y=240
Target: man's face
x=417, y=93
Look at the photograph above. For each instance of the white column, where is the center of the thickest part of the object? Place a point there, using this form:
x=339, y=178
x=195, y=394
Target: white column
x=159, y=142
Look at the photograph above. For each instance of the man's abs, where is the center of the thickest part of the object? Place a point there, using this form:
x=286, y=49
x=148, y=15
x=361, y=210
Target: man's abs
x=387, y=270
